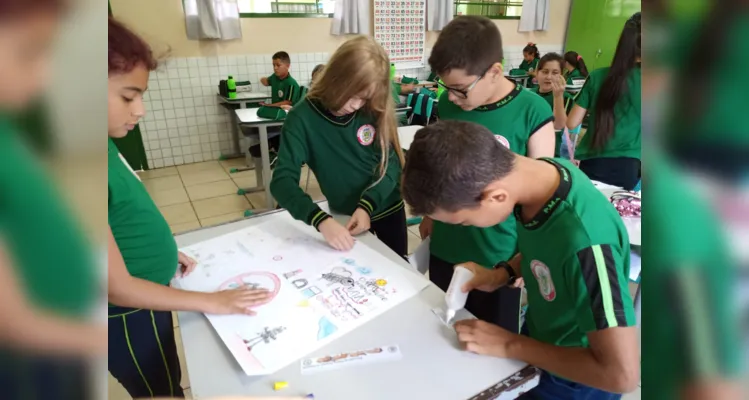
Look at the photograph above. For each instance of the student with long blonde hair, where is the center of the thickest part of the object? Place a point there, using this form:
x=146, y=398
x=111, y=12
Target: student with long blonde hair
x=345, y=131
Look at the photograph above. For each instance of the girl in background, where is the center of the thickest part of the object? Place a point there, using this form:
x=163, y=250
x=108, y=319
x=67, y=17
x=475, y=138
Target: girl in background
x=143, y=256
x=609, y=151
x=319, y=68
x=551, y=87
x=345, y=131
x=574, y=67
x=255, y=150
x=530, y=63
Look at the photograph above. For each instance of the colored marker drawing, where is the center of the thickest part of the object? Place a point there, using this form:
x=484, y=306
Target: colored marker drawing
x=315, y=294
x=325, y=328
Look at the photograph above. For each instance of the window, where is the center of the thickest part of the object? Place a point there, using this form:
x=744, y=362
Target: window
x=286, y=8
x=495, y=9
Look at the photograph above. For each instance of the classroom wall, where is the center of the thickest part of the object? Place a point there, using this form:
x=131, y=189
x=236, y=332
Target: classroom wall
x=185, y=123
x=162, y=23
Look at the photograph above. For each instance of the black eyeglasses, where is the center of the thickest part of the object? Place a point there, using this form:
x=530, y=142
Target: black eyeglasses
x=463, y=93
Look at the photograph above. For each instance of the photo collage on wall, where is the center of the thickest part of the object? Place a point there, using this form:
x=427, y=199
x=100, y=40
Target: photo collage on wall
x=400, y=29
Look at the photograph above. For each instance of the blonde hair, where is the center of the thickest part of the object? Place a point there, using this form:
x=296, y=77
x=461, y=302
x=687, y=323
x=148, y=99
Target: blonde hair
x=357, y=65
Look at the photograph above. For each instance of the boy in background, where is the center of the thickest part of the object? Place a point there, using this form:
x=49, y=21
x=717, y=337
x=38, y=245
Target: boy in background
x=284, y=88
x=468, y=59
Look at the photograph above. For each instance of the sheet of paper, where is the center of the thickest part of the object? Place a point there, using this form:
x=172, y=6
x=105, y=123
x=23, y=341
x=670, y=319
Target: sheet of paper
x=360, y=357
x=318, y=294
x=420, y=258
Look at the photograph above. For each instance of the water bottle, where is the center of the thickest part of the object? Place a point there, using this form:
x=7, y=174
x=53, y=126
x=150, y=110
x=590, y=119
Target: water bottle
x=232, y=86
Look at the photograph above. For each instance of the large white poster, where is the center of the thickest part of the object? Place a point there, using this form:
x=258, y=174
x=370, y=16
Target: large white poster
x=318, y=294
x=400, y=27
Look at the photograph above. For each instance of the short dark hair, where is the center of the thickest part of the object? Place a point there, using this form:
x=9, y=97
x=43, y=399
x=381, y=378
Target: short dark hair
x=550, y=57
x=450, y=164
x=283, y=56
x=471, y=43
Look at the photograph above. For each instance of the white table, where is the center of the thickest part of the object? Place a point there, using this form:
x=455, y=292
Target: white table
x=406, y=135
x=432, y=367
x=248, y=117
x=242, y=99
x=518, y=78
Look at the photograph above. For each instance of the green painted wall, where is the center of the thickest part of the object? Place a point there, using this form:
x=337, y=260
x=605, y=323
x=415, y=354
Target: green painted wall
x=595, y=26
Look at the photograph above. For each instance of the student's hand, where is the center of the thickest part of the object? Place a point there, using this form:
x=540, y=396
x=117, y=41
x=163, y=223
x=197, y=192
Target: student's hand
x=286, y=107
x=425, y=227
x=359, y=222
x=263, y=104
x=264, y=81
x=484, y=279
x=337, y=236
x=481, y=337
x=187, y=264
x=235, y=301
x=558, y=85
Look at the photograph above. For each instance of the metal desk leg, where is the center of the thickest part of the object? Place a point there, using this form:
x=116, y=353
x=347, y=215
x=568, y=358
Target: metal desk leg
x=265, y=153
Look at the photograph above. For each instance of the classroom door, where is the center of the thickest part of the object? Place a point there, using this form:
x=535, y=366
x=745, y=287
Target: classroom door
x=594, y=28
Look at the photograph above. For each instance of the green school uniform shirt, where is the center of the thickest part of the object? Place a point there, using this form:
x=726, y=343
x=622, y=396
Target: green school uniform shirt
x=344, y=154
x=513, y=120
x=693, y=322
x=575, y=263
x=141, y=232
x=283, y=89
x=574, y=74
x=49, y=254
x=529, y=65
x=568, y=103
x=625, y=141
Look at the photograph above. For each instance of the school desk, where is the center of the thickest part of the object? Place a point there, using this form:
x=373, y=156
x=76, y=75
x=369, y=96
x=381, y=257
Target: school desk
x=243, y=98
x=432, y=367
x=522, y=79
x=248, y=117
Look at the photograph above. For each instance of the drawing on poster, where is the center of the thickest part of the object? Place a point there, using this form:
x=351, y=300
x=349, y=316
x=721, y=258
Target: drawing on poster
x=267, y=335
x=254, y=280
x=326, y=328
x=316, y=295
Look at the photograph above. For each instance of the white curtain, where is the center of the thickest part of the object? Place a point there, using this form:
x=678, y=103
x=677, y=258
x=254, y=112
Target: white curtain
x=351, y=17
x=212, y=19
x=439, y=14
x=535, y=16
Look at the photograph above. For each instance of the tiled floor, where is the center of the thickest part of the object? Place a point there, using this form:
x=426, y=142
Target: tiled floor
x=205, y=194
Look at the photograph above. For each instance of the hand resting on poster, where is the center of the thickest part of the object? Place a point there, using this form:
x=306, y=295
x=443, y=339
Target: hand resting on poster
x=126, y=290
x=337, y=236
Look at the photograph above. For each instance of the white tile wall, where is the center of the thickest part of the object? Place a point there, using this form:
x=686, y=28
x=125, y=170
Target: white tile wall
x=185, y=122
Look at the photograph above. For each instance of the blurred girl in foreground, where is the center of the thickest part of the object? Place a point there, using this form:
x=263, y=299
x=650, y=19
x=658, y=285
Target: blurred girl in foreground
x=47, y=278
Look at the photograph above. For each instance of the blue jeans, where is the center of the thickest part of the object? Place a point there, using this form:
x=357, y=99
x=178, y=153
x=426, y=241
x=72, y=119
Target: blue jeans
x=554, y=387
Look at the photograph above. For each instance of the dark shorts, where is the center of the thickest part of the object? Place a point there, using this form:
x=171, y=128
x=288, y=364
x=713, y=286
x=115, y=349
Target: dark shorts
x=554, y=387
x=618, y=171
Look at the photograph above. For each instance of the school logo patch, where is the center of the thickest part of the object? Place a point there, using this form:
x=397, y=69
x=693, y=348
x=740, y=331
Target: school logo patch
x=280, y=93
x=503, y=140
x=545, y=283
x=366, y=134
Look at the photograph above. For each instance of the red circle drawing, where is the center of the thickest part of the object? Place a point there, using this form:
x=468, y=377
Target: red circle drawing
x=265, y=280
x=277, y=258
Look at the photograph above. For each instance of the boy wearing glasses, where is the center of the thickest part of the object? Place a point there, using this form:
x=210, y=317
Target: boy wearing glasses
x=468, y=59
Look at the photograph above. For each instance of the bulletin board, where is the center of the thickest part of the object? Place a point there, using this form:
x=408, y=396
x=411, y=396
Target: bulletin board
x=400, y=27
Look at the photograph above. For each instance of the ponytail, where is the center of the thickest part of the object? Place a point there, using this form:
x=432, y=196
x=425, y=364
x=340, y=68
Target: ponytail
x=574, y=59
x=531, y=48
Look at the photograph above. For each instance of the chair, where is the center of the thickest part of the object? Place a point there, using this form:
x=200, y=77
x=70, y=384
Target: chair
x=302, y=94
x=423, y=107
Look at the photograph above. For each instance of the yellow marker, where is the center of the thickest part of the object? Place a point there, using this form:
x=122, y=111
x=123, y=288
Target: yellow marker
x=280, y=385
x=381, y=282
x=303, y=303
